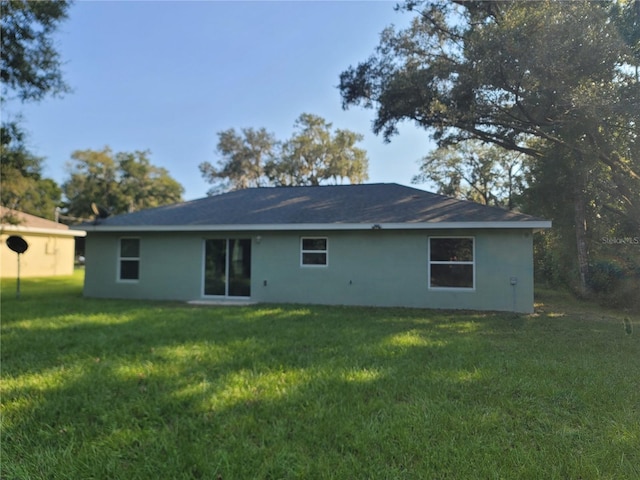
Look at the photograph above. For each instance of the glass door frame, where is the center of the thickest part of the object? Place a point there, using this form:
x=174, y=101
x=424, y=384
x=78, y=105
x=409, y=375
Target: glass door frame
x=228, y=274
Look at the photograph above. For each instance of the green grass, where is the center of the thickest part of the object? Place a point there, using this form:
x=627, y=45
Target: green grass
x=112, y=389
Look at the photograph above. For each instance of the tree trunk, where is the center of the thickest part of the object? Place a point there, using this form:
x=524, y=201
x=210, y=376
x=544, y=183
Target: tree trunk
x=580, y=220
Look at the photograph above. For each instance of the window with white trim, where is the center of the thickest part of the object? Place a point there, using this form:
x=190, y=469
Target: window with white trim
x=314, y=251
x=129, y=260
x=452, y=262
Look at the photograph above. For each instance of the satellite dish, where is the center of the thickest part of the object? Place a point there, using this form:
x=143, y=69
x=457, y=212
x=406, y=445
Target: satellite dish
x=17, y=244
x=99, y=211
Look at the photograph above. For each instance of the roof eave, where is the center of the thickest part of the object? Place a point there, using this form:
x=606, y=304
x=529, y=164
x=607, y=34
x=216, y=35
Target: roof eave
x=44, y=231
x=536, y=225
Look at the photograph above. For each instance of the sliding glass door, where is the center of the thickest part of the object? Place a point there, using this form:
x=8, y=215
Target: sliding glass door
x=227, y=267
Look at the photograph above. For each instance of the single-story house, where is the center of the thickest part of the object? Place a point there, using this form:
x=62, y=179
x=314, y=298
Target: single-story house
x=369, y=244
x=51, y=245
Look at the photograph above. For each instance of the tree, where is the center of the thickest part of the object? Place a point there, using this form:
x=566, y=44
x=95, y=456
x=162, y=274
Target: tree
x=313, y=155
x=243, y=159
x=508, y=72
x=547, y=196
x=23, y=187
x=121, y=183
x=30, y=66
x=626, y=15
x=30, y=70
x=143, y=185
x=485, y=174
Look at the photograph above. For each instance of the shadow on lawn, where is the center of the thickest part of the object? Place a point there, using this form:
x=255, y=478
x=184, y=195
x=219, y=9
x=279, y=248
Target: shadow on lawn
x=135, y=385
x=138, y=389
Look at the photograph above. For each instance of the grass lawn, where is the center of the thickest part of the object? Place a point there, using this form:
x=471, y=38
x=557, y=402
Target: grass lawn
x=111, y=389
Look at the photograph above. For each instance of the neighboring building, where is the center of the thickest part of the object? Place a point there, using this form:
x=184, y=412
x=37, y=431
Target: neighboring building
x=375, y=244
x=51, y=246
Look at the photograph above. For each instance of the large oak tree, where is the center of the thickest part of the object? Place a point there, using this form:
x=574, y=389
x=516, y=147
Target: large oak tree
x=542, y=78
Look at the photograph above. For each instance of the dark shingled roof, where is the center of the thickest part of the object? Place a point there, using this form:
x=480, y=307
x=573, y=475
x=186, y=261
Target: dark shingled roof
x=378, y=203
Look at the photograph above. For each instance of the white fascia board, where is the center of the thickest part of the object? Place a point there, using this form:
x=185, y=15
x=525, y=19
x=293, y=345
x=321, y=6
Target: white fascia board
x=534, y=224
x=43, y=231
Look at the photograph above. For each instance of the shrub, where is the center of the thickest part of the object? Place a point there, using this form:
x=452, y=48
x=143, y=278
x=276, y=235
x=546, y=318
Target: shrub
x=616, y=283
x=605, y=276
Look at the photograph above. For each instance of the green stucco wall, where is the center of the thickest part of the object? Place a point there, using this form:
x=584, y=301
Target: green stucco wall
x=372, y=267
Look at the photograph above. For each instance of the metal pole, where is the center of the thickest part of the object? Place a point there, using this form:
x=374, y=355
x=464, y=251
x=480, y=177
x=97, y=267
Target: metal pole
x=18, y=286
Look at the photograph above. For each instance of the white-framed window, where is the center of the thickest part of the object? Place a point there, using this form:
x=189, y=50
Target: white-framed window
x=314, y=251
x=129, y=260
x=452, y=263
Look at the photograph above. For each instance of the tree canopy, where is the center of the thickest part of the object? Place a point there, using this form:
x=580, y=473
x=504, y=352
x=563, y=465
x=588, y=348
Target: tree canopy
x=23, y=186
x=243, y=159
x=121, y=182
x=314, y=154
x=549, y=79
x=30, y=65
x=485, y=174
x=30, y=69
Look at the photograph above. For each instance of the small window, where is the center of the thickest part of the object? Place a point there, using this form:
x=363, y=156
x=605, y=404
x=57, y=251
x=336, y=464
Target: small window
x=314, y=252
x=451, y=262
x=129, y=261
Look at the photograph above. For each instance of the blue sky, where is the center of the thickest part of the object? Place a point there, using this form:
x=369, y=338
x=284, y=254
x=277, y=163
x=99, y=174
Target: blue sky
x=167, y=76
